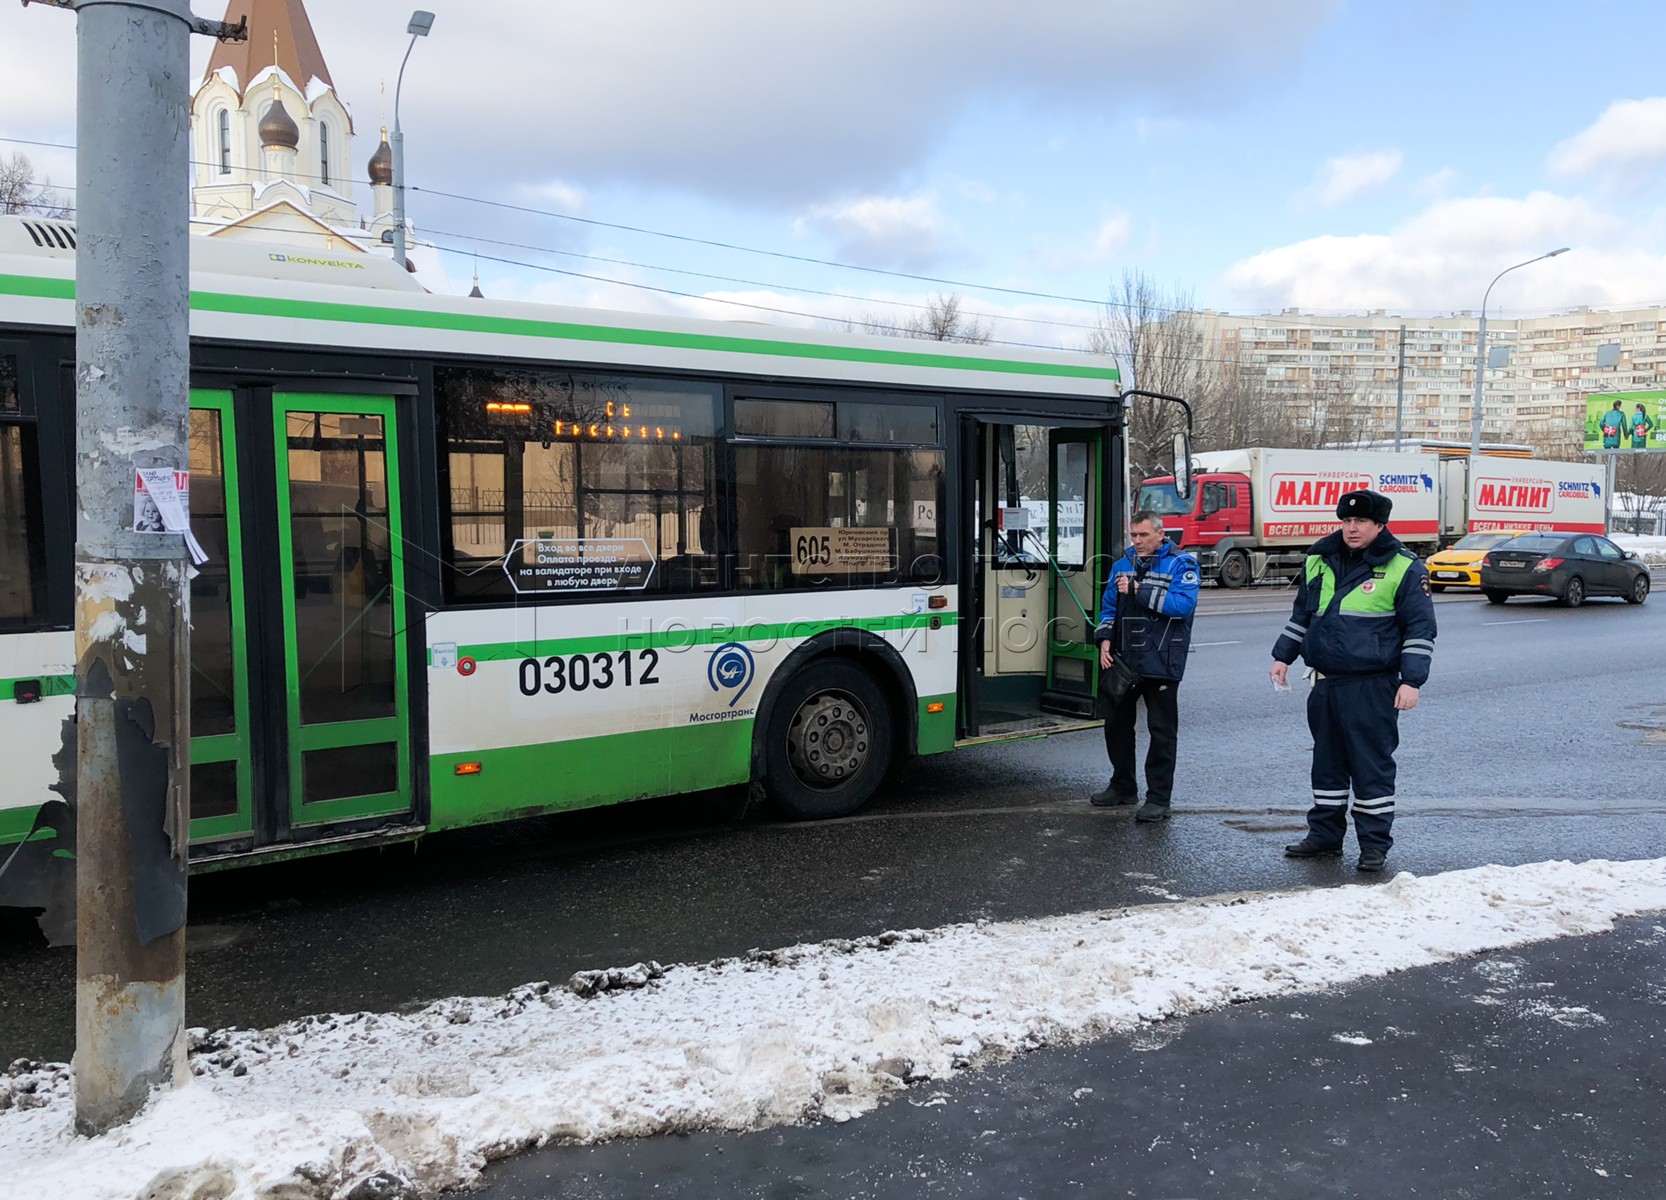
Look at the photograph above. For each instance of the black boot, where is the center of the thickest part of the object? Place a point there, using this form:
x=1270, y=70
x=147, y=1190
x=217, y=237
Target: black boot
x=1152, y=812
x=1372, y=859
x=1111, y=798
x=1308, y=848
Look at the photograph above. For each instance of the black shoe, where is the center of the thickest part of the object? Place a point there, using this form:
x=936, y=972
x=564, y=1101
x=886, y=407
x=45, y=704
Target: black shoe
x=1372, y=860
x=1152, y=812
x=1110, y=798
x=1308, y=848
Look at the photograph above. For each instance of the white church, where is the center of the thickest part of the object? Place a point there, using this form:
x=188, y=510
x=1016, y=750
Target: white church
x=272, y=145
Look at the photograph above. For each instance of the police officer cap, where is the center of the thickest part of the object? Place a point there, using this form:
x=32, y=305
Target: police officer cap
x=1372, y=506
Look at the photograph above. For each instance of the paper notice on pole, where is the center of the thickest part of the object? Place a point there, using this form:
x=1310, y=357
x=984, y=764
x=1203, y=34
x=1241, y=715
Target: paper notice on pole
x=162, y=504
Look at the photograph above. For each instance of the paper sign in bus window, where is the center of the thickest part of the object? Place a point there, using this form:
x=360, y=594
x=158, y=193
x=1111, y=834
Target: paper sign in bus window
x=842, y=551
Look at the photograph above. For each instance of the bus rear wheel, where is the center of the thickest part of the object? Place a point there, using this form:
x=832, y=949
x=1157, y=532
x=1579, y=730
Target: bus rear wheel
x=828, y=742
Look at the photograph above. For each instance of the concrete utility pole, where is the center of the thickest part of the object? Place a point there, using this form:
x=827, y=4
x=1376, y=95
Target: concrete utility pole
x=132, y=614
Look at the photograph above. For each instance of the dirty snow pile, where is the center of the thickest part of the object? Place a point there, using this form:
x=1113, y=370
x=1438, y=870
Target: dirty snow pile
x=820, y=1031
x=1649, y=547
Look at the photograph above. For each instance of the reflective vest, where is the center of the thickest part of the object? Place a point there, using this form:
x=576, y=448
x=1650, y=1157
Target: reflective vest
x=1358, y=632
x=1374, y=597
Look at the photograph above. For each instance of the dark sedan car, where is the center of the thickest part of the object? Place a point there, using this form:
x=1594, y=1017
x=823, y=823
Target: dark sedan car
x=1570, y=567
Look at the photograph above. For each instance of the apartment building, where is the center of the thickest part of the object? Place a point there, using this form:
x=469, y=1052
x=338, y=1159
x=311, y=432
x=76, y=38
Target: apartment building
x=1540, y=368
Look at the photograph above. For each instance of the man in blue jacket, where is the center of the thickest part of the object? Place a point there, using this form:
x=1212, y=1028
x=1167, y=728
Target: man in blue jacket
x=1145, y=618
x=1365, y=622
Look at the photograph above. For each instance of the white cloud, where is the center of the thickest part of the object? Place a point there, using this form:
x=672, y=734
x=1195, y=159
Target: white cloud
x=1444, y=257
x=750, y=99
x=905, y=233
x=1437, y=183
x=1112, y=237
x=1155, y=129
x=556, y=195
x=1627, y=142
x=1350, y=176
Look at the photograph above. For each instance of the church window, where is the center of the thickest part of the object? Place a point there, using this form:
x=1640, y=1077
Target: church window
x=324, y=153
x=225, y=142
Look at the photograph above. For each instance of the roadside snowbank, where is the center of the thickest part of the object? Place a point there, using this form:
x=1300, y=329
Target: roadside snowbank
x=821, y=1031
x=1650, y=549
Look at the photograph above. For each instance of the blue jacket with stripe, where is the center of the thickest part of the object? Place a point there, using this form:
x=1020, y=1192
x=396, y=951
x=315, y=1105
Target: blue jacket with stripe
x=1154, y=634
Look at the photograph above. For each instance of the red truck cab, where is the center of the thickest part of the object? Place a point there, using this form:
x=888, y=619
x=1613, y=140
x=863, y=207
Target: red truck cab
x=1208, y=523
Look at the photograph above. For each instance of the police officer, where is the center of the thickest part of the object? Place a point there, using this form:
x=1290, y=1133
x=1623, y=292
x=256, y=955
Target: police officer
x=1365, y=623
x=1145, y=618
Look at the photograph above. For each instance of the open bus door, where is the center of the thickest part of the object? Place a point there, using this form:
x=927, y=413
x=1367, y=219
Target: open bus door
x=1040, y=502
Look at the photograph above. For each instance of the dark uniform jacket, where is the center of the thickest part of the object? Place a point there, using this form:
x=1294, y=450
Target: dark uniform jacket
x=1154, y=633
x=1368, y=613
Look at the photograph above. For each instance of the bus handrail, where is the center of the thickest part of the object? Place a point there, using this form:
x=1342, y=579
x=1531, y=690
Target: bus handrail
x=1059, y=574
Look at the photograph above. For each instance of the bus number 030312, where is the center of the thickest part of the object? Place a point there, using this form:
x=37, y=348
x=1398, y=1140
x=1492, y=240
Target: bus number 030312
x=580, y=672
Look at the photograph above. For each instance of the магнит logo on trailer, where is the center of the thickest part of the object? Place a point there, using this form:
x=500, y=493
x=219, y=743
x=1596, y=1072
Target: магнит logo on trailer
x=731, y=669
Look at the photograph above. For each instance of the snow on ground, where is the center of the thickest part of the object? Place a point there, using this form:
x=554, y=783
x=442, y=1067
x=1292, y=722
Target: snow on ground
x=1650, y=549
x=818, y=1031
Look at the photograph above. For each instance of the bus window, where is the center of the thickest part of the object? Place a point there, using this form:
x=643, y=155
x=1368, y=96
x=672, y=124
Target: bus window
x=814, y=514
x=537, y=456
x=19, y=504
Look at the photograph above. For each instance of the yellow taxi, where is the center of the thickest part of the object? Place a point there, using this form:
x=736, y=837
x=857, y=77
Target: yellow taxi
x=1459, y=565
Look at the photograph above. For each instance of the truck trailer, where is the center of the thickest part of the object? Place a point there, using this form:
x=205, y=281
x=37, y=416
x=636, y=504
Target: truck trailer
x=1253, y=513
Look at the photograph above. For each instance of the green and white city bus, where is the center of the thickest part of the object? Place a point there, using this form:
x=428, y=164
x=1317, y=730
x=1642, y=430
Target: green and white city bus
x=472, y=560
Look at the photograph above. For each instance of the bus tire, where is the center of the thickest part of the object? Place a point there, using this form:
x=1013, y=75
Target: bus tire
x=1235, y=570
x=827, y=744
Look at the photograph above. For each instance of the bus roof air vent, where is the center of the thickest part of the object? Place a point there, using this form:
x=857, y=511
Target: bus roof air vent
x=51, y=235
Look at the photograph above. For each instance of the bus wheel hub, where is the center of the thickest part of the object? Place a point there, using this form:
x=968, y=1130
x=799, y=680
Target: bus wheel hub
x=828, y=740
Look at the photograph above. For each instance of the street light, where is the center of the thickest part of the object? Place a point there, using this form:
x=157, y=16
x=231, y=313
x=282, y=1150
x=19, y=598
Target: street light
x=1481, y=354
x=421, y=23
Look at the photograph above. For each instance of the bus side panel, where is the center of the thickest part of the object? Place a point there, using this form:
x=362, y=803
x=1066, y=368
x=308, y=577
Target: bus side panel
x=31, y=733
x=562, y=707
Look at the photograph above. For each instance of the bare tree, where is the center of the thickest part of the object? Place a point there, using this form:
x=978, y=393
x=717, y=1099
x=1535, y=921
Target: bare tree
x=1244, y=409
x=1561, y=446
x=942, y=320
x=1337, y=416
x=1639, y=490
x=19, y=193
x=1160, y=345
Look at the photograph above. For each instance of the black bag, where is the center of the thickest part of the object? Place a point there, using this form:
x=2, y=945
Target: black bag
x=1120, y=678
x=1117, y=681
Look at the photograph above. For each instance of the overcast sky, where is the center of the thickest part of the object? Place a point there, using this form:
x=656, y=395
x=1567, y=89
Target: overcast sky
x=1326, y=154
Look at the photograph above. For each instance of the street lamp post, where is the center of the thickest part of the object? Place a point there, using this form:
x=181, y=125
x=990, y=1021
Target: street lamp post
x=1481, y=353
x=421, y=23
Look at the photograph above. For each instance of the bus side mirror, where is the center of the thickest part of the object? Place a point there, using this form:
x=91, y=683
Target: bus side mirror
x=1182, y=471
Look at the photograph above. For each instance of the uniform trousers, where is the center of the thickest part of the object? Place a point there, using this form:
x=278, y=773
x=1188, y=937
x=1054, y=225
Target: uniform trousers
x=1356, y=730
x=1162, y=719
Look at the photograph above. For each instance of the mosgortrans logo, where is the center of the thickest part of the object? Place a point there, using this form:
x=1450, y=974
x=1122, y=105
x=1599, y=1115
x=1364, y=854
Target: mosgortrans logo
x=731, y=670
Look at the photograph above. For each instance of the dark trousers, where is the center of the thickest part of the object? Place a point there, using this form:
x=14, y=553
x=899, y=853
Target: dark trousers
x=1356, y=730
x=1162, y=720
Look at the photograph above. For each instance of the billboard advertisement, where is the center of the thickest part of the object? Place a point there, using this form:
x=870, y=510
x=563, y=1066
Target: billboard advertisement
x=1625, y=421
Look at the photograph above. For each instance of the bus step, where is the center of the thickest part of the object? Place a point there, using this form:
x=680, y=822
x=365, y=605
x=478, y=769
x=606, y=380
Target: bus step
x=1071, y=704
